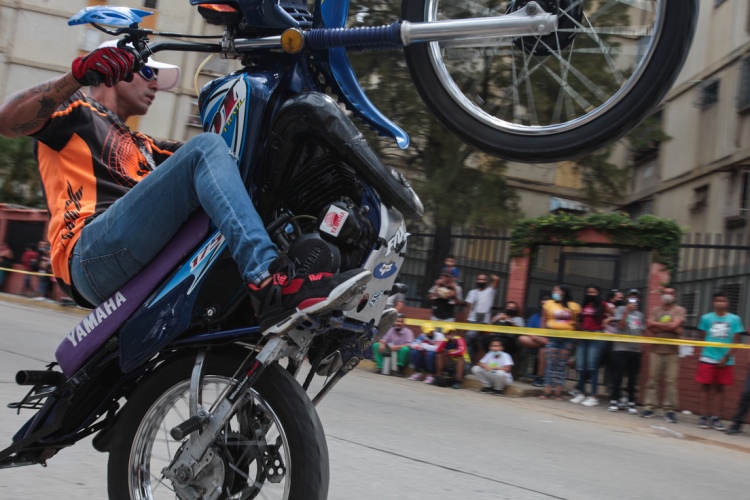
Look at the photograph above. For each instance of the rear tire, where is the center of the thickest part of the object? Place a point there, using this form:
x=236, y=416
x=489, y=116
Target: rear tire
x=134, y=470
x=557, y=97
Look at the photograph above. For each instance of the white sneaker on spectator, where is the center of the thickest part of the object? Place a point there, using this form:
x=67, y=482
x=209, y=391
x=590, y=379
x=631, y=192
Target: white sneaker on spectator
x=590, y=401
x=623, y=403
x=632, y=409
x=416, y=376
x=613, y=406
x=578, y=399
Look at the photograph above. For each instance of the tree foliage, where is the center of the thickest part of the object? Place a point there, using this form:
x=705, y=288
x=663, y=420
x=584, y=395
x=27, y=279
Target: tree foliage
x=458, y=185
x=19, y=176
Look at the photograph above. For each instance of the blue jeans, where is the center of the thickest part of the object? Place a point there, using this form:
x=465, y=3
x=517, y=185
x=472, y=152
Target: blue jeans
x=117, y=244
x=588, y=354
x=423, y=360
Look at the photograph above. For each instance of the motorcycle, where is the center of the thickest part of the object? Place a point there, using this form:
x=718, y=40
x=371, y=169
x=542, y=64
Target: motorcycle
x=172, y=374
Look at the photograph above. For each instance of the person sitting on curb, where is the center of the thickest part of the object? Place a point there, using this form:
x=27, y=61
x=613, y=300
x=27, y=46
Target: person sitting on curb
x=397, y=340
x=452, y=350
x=494, y=369
x=424, y=351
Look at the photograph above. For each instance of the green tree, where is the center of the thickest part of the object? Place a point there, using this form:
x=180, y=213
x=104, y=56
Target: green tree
x=19, y=176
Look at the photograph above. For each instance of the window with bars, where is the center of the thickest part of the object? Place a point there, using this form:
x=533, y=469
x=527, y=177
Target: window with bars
x=150, y=4
x=708, y=94
x=733, y=294
x=743, y=92
x=689, y=300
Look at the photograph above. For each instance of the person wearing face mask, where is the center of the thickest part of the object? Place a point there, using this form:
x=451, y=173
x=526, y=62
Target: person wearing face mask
x=479, y=302
x=665, y=321
x=509, y=316
x=626, y=356
x=593, y=313
x=560, y=313
x=424, y=351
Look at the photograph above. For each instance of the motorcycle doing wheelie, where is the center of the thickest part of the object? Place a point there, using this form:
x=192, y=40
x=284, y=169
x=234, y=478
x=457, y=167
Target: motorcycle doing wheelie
x=171, y=373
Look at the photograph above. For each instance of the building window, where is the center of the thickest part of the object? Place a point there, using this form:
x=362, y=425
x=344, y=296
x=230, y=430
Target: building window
x=738, y=198
x=708, y=93
x=194, y=117
x=700, y=198
x=743, y=95
x=733, y=294
x=150, y=4
x=689, y=302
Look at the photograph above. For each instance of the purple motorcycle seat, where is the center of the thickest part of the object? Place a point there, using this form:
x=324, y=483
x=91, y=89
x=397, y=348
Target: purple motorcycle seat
x=105, y=320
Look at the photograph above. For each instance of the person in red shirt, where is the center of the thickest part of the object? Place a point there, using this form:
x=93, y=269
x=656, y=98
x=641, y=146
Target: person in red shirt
x=452, y=350
x=593, y=313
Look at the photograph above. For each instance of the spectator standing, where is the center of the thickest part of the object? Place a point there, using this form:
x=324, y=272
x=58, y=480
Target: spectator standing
x=494, y=369
x=560, y=313
x=479, y=302
x=626, y=356
x=397, y=342
x=30, y=262
x=445, y=295
x=665, y=321
x=423, y=353
x=452, y=350
x=6, y=260
x=742, y=409
x=715, y=365
x=588, y=354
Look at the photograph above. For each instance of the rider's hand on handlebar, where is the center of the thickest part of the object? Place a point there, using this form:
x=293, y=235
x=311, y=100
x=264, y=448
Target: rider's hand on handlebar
x=107, y=65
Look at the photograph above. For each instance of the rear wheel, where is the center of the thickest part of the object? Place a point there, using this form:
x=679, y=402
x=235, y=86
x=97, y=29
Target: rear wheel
x=558, y=96
x=273, y=447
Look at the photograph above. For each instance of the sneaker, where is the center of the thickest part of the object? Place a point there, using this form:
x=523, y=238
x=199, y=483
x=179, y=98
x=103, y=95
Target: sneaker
x=590, y=401
x=416, y=376
x=670, y=417
x=734, y=429
x=289, y=297
x=703, y=422
x=623, y=403
x=647, y=414
x=457, y=385
x=486, y=390
x=578, y=399
x=632, y=409
x=613, y=406
x=717, y=424
x=538, y=382
x=498, y=392
x=429, y=380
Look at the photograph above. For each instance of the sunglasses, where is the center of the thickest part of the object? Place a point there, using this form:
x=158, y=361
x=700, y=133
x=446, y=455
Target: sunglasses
x=148, y=73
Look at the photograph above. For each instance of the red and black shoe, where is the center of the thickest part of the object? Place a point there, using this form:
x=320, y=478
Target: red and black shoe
x=289, y=297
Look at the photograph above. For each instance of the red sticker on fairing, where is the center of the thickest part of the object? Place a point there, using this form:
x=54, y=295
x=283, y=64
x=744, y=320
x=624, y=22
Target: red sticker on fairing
x=333, y=221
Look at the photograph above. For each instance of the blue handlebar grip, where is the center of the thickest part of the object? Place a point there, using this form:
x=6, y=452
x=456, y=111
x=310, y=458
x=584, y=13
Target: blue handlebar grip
x=370, y=38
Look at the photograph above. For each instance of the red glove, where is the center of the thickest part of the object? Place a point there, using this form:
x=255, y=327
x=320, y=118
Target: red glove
x=107, y=65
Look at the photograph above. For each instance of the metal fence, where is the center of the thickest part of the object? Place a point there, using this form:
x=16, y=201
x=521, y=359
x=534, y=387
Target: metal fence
x=708, y=262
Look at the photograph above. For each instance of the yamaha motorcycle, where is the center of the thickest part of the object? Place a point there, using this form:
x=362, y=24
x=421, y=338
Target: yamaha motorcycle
x=172, y=374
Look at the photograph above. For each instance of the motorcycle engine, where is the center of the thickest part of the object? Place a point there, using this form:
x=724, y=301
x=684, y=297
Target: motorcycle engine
x=321, y=220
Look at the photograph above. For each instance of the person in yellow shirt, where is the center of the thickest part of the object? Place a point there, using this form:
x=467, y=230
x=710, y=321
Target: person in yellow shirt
x=560, y=313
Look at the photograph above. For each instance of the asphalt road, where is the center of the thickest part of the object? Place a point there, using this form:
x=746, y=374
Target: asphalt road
x=391, y=438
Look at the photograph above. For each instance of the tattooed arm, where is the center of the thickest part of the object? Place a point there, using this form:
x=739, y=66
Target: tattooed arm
x=29, y=111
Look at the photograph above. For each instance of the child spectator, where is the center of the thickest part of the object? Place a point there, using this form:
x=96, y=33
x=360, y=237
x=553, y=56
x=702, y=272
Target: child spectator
x=397, y=340
x=715, y=363
x=423, y=352
x=453, y=349
x=494, y=369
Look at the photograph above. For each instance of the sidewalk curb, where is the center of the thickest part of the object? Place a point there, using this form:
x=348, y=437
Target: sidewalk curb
x=46, y=304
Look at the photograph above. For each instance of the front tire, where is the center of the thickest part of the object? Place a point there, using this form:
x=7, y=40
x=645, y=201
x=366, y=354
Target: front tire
x=276, y=404
x=554, y=97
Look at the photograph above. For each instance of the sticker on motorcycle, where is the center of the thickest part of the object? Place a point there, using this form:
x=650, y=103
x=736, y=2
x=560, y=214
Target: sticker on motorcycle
x=376, y=298
x=333, y=221
x=385, y=270
x=398, y=241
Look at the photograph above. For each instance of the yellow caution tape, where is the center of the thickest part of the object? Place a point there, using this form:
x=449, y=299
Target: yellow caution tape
x=568, y=334
x=33, y=273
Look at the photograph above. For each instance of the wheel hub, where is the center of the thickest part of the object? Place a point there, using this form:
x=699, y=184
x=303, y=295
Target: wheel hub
x=569, y=16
